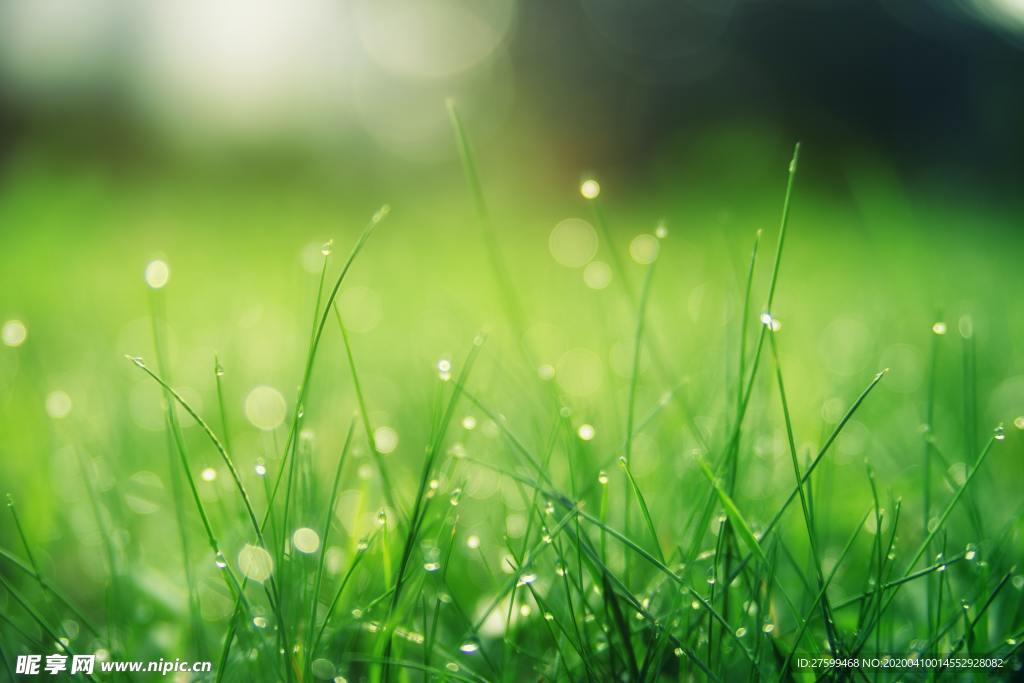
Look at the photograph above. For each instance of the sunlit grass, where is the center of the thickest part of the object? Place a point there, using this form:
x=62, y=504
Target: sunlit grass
x=504, y=524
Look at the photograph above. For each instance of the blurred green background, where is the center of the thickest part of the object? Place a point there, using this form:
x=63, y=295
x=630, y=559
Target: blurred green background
x=232, y=139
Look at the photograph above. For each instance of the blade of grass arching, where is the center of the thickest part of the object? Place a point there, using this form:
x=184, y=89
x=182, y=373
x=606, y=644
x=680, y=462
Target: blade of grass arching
x=307, y=373
x=325, y=532
x=513, y=308
x=176, y=444
x=371, y=443
x=220, y=448
x=738, y=522
x=822, y=591
x=804, y=499
x=643, y=508
x=814, y=463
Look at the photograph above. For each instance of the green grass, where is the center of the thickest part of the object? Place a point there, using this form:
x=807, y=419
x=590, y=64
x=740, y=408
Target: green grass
x=499, y=542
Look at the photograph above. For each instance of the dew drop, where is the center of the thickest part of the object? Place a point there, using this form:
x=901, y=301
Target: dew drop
x=469, y=647
x=444, y=369
x=473, y=542
x=209, y=474
x=770, y=322
x=432, y=566
x=157, y=274
x=740, y=632
x=768, y=628
x=586, y=432
x=939, y=328
x=1000, y=433
x=602, y=478
x=327, y=248
x=526, y=579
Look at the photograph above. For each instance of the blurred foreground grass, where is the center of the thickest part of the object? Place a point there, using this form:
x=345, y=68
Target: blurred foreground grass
x=511, y=544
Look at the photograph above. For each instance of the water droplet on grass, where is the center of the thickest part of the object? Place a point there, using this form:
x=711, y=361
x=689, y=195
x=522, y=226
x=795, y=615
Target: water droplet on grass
x=444, y=369
x=469, y=647
x=740, y=632
x=586, y=432
x=327, y=248
x=432, y=566
x=602, y=478
x=770, y=322
x=473, y=542
x=939, y=328
x=526, y=579
x=469, y=423
x=157, y=274
x=209, y=474
x=999, y=433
